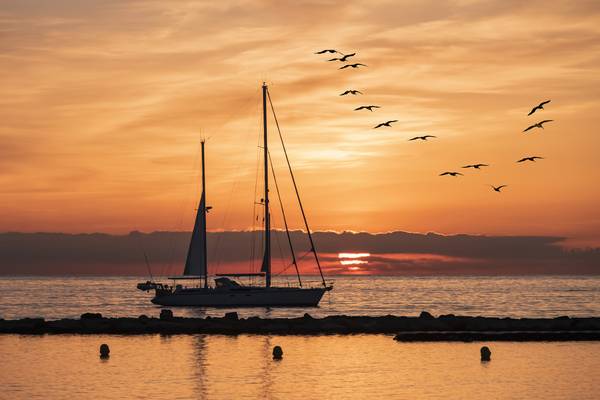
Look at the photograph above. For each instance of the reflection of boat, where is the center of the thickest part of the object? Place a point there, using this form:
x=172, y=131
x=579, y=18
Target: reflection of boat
x=226, y=291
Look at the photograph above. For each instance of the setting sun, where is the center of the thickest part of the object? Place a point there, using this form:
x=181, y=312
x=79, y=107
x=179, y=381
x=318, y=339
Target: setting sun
x=353, y=259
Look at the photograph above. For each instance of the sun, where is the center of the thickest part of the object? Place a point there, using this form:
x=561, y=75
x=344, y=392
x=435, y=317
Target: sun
x=354, y=260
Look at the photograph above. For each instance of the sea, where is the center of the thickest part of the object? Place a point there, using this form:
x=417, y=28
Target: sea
x=313, y=367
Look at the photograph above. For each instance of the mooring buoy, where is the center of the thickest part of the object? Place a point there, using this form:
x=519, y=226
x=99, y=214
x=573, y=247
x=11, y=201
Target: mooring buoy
x=486, y=353
x=277, y=353
x=104, y=350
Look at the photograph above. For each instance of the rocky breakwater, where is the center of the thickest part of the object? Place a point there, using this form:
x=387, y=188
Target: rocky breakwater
x=423, y=328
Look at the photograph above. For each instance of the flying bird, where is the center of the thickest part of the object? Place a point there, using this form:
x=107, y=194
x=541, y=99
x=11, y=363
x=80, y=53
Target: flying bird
x=387, y=123
x=539, y=124
x=351, y=91
x=533, y=158
x=538, y=107
x=370, y=108
x=498, y=188
x=347, y=56
x=476, y=166
x=327, y=51
x=450, y=173
x=344, y=57
x=422, y=137
x=356, y=65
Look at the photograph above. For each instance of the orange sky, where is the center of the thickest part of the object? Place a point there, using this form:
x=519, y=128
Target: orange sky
x=103, y=102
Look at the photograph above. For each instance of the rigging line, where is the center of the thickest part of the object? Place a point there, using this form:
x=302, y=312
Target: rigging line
x=141, y=246
x=188, y=202
x=278, y=243
x=254, y=215
x=287, y=231
x=283, y=270
x=228, y=206
x=312, y=244
x=299, y=259
x=304, y=255
x=148, y=265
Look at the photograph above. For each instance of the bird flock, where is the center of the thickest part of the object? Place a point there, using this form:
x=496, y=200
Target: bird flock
x=343, y=58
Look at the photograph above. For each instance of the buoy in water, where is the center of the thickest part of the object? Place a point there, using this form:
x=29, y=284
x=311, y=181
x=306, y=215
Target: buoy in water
x=486, y=354
x=104, y=350
x=277, y=353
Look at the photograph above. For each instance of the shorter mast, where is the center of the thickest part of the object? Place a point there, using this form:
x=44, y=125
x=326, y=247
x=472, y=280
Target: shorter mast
x=195, y=262
x=204, y=209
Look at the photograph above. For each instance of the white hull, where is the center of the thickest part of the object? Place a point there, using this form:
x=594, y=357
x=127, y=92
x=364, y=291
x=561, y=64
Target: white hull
x=245, y=297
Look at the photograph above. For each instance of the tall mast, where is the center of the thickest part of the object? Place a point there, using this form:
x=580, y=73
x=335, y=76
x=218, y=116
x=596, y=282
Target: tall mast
x=267, y=256
x=205, y=258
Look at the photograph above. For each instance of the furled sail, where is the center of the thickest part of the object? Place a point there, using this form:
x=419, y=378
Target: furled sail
x=195, y=264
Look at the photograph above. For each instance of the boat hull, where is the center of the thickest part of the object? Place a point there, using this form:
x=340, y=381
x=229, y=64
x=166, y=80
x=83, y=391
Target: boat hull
x=247, y=297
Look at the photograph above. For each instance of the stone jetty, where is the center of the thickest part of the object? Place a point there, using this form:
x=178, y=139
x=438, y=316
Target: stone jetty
x=423, y=328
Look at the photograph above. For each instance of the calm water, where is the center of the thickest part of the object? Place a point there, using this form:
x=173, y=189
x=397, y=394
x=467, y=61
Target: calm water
x=329, y=367
x=489, y=296
x=322, y=367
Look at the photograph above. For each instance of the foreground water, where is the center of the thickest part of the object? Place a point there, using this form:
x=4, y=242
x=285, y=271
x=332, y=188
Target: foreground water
x=327, y=367
x=544, y=296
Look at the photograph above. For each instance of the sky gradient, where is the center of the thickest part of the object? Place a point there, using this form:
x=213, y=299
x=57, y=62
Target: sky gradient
x=105, y=103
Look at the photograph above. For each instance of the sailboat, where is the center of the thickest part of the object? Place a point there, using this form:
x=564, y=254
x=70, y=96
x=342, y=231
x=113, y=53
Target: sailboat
x=227, y=292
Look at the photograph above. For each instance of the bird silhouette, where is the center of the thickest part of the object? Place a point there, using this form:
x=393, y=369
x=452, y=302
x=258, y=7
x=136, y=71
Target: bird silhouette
x=422, y=137
x=476, y=166
x=344, y=58
x=351, y=91
x=356, y=65
x=538, y=125
x=498, y=188
x=387, y=123
x=532, y=158
x=327, y=51
x=347, y=56
x=538, y=107
x=370, y=108
x=450, y=173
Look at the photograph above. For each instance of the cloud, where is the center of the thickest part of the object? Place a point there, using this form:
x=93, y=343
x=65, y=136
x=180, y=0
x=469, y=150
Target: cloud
x=106, y=100
x=394, y=253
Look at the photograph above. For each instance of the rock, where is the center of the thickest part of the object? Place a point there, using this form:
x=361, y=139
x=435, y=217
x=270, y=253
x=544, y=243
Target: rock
x=277, y=353
x=425, y=315
x=231, y=316
x=447, y=316
x=486, y=354
x=89, y=315
x=166, y=314
x=104, y=351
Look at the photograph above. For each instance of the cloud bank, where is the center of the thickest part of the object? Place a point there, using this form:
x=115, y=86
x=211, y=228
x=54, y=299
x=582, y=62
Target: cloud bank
x=394, y=253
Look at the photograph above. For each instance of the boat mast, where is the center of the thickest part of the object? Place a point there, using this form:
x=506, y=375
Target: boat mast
x=267, y=256
x=205, y=258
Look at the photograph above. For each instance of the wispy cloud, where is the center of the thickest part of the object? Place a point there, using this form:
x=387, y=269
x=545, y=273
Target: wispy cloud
x=105, y=99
